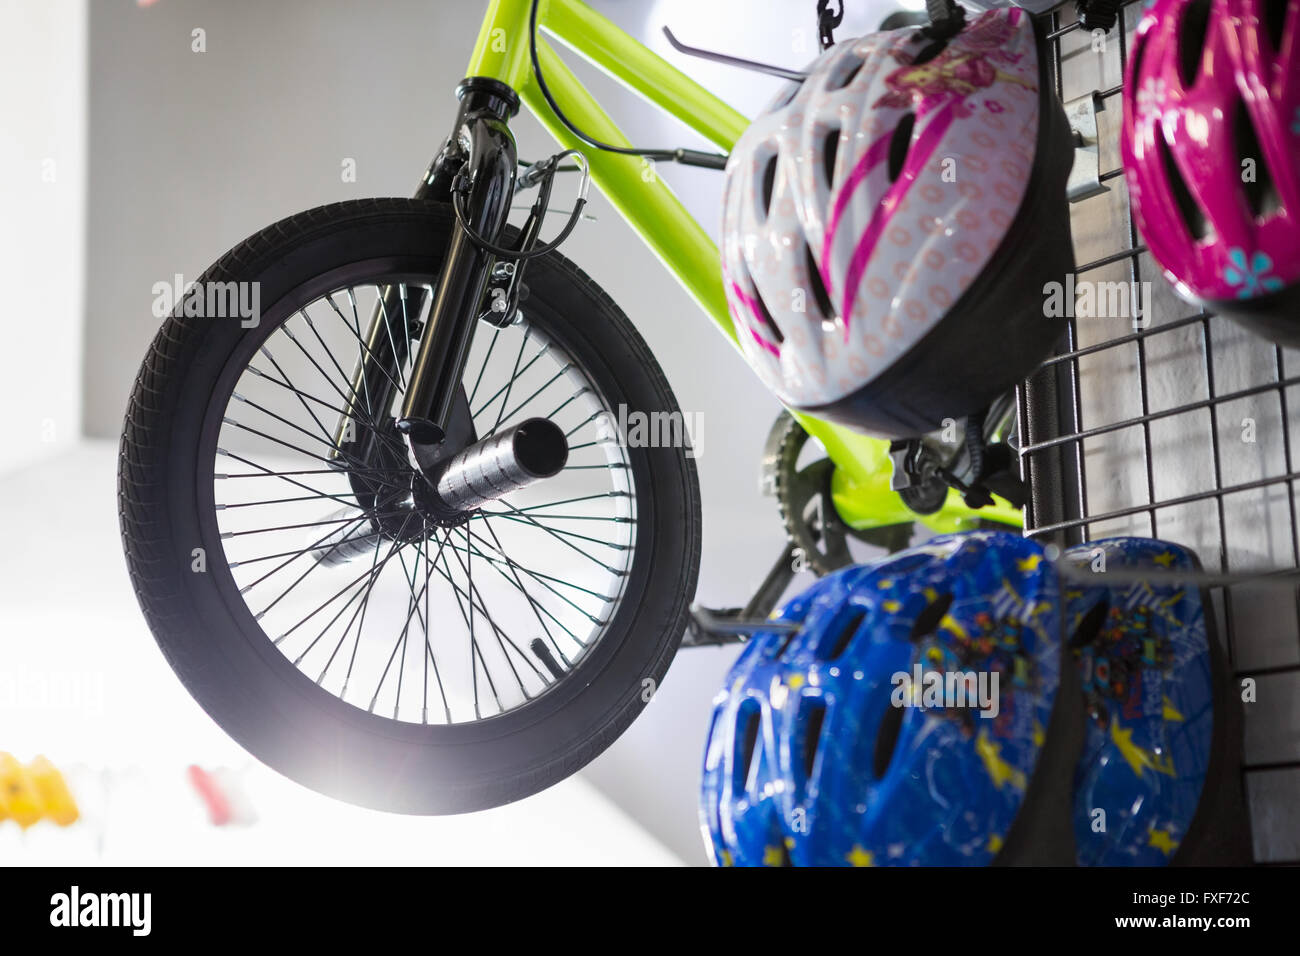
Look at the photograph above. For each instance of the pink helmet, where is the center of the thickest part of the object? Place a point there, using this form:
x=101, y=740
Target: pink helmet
x=890, y=221
x=1211, y=147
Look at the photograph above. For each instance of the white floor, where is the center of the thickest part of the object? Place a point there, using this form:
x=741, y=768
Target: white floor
x=82, y=683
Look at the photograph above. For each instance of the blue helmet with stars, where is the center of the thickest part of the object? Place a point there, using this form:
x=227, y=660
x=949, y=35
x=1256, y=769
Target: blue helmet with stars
x=1150, y=672
x=901, y=724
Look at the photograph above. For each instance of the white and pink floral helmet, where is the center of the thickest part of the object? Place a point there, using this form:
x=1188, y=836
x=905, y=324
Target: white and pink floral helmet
x=890, y=223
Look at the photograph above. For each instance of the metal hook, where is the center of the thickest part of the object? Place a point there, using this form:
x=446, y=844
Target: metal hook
x=827, y=22
x=754, y=65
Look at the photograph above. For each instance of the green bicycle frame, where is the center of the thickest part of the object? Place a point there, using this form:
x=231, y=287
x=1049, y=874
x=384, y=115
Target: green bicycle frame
x=860, y=486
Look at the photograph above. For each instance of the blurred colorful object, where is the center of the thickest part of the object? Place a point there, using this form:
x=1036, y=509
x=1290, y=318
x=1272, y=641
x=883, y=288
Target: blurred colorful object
x=1151, y=685
x=35, y=792
x=222, y=794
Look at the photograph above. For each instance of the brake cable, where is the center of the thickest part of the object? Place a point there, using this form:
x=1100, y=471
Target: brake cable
x=539, y=173
x=687, y=157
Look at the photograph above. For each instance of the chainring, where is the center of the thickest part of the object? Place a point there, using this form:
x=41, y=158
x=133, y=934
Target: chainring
x=803, y=497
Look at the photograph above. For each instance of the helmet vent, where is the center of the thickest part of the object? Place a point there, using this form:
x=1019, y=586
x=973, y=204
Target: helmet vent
x=1275, y=21
x=843, y=634
x=891, y=727
x=1190, y=210
x=751, y=718
x=929, y=52
x=843, y=77
x=927, y=622
x=1191, y=40
x=830, y=151
x=820, y=295
x=814, y=716
x=1090, y=625
x=899, y=144
x=1261, y=193
x=788, y=95
x=765, y=317
x=1137, y=56
x=769, y=184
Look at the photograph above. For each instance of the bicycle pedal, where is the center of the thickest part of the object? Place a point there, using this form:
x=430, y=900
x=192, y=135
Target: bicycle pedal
x=718, y=626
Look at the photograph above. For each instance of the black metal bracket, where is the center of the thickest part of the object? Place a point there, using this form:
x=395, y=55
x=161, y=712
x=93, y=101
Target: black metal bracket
x=1098, y=14
x=827, y=21
x=947, y=17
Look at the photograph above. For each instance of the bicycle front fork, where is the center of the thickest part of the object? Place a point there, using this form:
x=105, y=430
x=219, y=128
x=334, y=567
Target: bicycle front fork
x=477, y=163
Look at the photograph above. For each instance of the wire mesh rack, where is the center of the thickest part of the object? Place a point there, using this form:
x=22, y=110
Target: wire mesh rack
x=1175, y=423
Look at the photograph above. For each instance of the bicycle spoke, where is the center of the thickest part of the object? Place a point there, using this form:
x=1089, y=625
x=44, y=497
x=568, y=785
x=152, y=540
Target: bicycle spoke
x=348, y=499
x=317, y=543
x=478, y=605
x=388, y=327
x=371, y=420
x=496, y=334
x=369, y=472
x=475, y=653
x=532, y=602
x=361, y=624
x=351, y=597
x=569, y=501
x=288, y=333
x=360, y=593
x=291, y=527
x=556, y=532
x=411, y=607
x=468, y=567
x=586, y=421
x=396, y=543
x=327, y=441
x=541, y=579
x=514, y=375
x=524, y=403
x=360, y=340
x=614, y=518
x=538, y=605
x=333, y=361
x=289, y=385
x=428, y=657
x=585, y=390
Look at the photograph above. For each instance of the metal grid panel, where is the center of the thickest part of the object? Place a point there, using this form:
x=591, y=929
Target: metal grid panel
x=1180, y=429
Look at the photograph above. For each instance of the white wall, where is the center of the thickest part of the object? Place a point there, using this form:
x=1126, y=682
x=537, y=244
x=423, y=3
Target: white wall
x=42, y=240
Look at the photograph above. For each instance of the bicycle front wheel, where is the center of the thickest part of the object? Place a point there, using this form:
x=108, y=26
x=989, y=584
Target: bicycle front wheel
x=340, y=633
